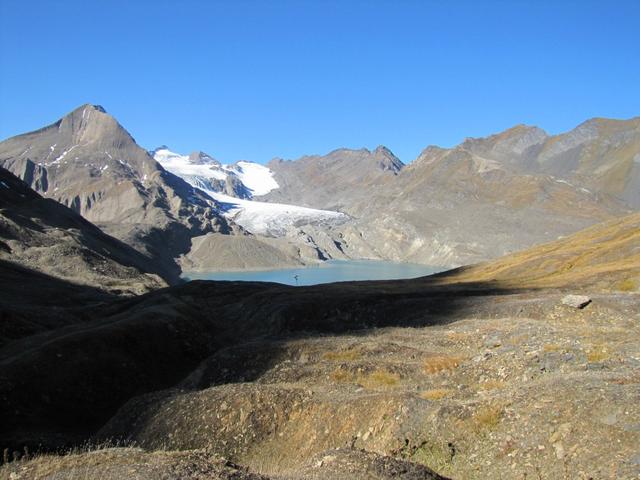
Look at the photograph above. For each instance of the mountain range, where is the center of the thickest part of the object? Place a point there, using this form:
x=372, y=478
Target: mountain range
x=450, y=206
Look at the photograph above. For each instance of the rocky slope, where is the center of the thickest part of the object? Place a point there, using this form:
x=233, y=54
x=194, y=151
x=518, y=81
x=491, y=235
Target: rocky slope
x=43, y=235
x=333, y=181
x=482, y=199
x=90, y=163
x=476, y=373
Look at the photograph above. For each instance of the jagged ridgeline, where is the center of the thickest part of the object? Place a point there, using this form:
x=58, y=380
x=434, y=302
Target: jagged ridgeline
x=451, y=206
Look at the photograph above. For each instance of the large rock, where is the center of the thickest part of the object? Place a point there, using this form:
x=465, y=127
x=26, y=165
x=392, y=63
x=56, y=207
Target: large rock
x=576, y=301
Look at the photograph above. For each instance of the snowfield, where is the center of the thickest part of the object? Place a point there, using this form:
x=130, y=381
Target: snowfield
x=181, y=165
x=257, y=178
x=263, y=218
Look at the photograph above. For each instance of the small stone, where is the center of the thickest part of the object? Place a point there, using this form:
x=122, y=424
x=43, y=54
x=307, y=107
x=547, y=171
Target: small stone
x=576, y=301
x=610, y=419
x=559, y=448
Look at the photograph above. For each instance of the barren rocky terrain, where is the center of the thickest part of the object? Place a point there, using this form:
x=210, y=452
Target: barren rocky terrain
x=43, y=235
x=480, y=372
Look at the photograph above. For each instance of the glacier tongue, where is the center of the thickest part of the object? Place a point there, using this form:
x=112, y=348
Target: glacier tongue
x=274, y=219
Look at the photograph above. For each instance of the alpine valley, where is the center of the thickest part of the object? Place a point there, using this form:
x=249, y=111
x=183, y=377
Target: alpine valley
x=520, y=361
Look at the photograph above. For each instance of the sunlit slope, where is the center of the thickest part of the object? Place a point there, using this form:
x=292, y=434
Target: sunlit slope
x=606, y=256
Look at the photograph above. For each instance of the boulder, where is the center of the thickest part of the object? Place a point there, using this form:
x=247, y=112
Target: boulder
x=576, y=301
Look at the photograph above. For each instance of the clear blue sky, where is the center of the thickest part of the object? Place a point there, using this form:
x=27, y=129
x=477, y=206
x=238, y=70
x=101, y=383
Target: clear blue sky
x=259, y=79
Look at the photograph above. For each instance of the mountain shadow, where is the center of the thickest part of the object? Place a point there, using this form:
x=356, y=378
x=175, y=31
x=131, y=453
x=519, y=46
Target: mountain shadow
x=63, y=385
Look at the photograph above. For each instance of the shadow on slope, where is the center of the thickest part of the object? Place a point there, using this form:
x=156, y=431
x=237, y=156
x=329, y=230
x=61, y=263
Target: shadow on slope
x=32, y=302
x=63, y=385
x=44, y=228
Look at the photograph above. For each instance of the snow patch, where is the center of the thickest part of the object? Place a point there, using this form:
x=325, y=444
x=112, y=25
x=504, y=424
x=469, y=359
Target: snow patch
x=257, y=178
x=62, y=155
x=558, y=180
x=51, y=149
x=181, y=165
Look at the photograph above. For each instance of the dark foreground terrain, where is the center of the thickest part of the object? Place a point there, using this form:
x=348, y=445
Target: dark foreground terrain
x=477, y=373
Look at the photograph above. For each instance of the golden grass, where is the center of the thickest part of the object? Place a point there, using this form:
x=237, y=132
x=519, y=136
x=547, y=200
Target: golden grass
x=626, y=285
x=340, y=375
x=485, y=418
x=597, y=353
x=436, y=393
x=349, y=355
x=603, y=254
x=437, y=456
x=552, y=347
x=491, y=384
x=379, y=378
x=441, y=363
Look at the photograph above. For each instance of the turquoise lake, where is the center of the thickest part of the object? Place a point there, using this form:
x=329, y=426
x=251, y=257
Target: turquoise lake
x=326, y=272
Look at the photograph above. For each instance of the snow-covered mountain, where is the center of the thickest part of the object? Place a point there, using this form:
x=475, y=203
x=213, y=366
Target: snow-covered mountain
x=241, y=179
x=235, y=186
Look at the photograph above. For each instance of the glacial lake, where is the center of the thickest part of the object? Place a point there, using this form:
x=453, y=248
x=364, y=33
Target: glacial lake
x=325, y=272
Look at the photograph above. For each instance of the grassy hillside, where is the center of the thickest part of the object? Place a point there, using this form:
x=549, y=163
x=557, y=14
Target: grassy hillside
x=605, y=256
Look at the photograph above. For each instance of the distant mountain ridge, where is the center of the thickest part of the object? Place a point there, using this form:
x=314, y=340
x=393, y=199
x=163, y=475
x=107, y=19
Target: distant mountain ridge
x=451, y=206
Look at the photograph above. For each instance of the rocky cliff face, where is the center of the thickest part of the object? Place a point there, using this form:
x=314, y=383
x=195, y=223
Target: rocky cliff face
x=90, y=163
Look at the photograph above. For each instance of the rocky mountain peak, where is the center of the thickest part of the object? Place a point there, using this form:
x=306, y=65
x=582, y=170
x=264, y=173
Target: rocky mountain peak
x=387, y=160
x=514, y=140
x=90, y=124
x=201, y=158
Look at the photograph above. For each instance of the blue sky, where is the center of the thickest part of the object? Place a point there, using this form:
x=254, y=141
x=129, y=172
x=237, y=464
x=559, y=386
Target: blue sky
x=256, y=79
